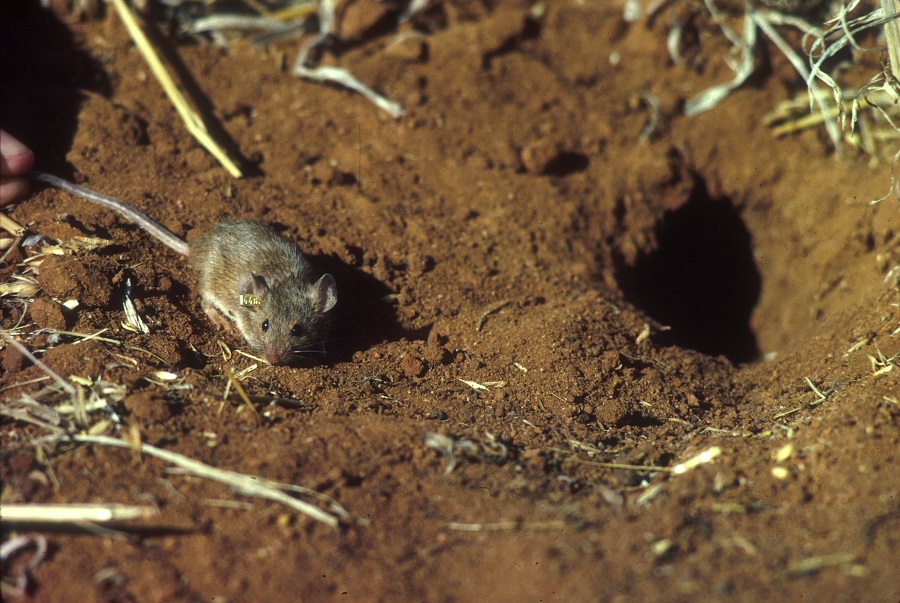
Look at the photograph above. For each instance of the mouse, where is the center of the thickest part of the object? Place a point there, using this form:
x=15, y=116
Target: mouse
x=248, y=276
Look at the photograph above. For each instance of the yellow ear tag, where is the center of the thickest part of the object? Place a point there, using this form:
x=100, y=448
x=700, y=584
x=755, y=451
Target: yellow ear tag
x=248, y=299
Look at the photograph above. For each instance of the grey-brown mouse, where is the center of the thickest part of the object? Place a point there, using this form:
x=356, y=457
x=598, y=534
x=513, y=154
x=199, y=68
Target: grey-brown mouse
x=247, y=273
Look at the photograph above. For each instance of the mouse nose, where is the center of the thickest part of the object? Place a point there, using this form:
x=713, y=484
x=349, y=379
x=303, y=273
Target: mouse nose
x=276, y=356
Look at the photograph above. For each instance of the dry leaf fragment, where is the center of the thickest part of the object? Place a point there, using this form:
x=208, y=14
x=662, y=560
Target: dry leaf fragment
x=135, y=322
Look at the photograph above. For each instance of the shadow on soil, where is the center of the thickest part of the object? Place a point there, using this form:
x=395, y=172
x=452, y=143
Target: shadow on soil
x=43, y=75
x=365, y=314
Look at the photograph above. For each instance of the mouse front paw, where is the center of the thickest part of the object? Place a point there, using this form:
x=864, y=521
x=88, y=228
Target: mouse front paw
x=217, y=318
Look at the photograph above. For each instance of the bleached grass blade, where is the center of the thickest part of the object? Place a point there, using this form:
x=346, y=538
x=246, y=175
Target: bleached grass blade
x=25, y=352
x=713, y=96
x=507, y=525
x=72, y=513
x=894, y=189
x=192, y=121
x=673, y=43
x=849, y=29
x=723, y=25
x=337, y=75
x=891, y=9
x=815, y=94
x=245, y=484
x=236, y=21
x=29, y=410
x=707, y=456
x=342, y=77
x=808, y=29
x=17, y=584
x=414, y=8
x=474, y=385
x=232, y=381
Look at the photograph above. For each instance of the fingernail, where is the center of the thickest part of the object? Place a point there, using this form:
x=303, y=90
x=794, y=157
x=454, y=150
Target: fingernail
x=10, y=146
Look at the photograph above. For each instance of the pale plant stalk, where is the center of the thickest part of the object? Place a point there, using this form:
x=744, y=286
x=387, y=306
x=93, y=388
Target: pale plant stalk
x=892, y=34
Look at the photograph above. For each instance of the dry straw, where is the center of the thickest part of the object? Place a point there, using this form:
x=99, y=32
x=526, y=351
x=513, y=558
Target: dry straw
x=193, y=121
x=85, y=398
x=821, y=42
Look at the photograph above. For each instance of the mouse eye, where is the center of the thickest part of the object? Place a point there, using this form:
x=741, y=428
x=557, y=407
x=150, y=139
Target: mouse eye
x=265, y=325
x=297, y=331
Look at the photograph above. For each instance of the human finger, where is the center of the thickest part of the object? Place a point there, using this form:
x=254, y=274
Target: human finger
x=15, y=158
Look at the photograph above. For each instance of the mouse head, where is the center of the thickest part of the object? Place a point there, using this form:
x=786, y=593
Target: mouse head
x=282, y=320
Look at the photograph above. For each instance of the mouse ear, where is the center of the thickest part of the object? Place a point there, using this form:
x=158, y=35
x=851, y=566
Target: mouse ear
x=251, y=284
x=324, y=292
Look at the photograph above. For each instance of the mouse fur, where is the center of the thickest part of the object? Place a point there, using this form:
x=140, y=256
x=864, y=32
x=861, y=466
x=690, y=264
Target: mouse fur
x=241, y=257
x=238, y=258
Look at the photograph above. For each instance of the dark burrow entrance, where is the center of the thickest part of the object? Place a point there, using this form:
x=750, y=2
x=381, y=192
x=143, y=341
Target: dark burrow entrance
x=701, y=279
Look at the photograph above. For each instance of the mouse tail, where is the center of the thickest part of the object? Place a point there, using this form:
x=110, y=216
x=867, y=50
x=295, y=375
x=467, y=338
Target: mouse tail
x=168, y=238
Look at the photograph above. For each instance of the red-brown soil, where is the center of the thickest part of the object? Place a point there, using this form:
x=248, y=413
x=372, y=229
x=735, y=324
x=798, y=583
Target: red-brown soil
x=513, y=227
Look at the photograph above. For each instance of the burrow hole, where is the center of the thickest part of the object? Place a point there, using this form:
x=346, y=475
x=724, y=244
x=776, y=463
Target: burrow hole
x=701, y=279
